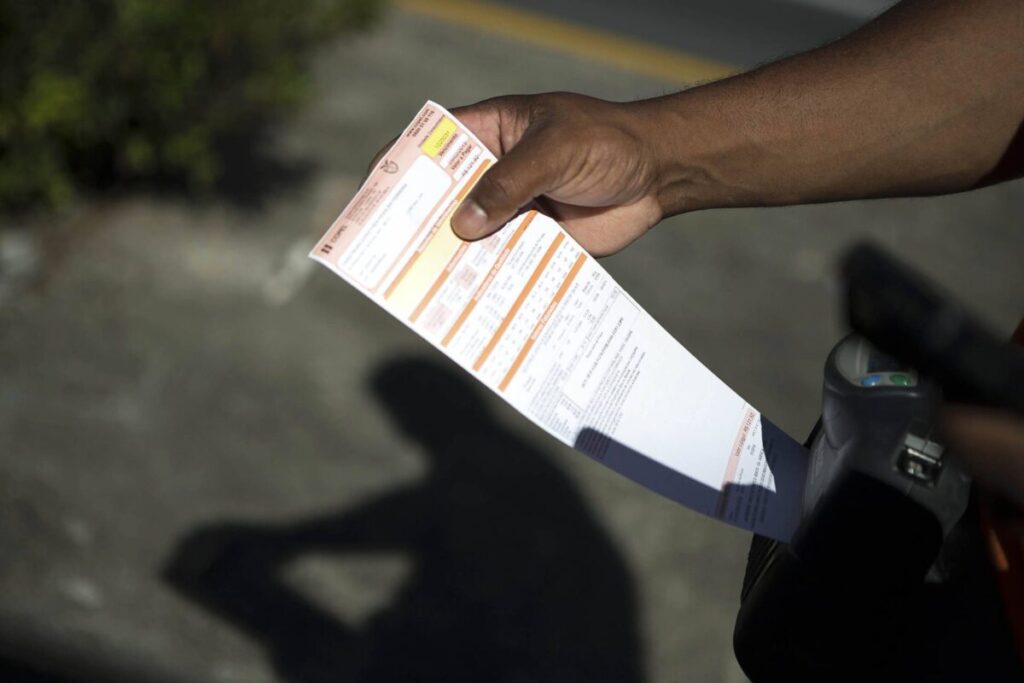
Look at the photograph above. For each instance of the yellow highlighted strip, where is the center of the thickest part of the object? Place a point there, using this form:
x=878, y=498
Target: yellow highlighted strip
x=539, y=327
x=444, y=131
x=389, y=292
x=584, y=42
x=443, y=224
x=519, y=301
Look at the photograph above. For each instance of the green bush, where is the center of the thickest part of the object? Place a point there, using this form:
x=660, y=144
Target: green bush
x=97, y=91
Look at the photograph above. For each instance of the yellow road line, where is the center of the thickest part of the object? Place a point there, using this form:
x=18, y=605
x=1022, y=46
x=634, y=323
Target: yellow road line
x=589, y=43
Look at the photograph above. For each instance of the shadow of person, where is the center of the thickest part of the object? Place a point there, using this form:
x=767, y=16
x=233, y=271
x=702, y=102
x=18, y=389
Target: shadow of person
x=513, y=580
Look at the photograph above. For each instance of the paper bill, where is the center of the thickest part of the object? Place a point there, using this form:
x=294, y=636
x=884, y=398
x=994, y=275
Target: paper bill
x=538, y=320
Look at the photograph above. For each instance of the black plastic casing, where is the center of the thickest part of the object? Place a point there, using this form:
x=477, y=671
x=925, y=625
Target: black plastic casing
x=884, y=569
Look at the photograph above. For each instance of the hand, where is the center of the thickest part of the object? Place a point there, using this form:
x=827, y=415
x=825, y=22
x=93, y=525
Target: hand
x=589, y=163
x=990, y=445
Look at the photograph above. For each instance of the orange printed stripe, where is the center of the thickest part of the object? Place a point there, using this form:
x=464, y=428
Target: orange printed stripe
x=406, y=268
x=472, y=181
x=441, y=279
x=734, y=459
x=490, y=278
x=412, y=261
x=444, y=220
x=408, y=264
x=539, y=327
x=519, y=301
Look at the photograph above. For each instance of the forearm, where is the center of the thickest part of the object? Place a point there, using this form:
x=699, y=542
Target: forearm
x=927, y=99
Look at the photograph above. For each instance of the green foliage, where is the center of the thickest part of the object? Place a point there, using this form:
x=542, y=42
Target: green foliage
x=93, y=91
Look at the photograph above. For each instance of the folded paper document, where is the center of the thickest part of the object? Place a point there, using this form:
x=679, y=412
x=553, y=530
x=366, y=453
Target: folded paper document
x=538, y=320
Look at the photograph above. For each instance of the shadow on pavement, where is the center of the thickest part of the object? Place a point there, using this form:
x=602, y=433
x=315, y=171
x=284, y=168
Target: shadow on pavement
x=513, y=579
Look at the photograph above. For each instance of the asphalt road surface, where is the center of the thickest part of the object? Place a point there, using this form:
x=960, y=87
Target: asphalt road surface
x=206, y=466
x=742, y=32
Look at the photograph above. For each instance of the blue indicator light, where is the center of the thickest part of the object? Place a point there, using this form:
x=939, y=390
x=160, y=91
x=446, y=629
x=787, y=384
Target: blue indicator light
x=871, y=380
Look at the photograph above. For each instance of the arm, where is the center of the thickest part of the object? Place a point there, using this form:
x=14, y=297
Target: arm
x=929, y=98
x=991, y=445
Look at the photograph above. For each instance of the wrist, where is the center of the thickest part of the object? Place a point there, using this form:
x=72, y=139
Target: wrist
x=699, y=154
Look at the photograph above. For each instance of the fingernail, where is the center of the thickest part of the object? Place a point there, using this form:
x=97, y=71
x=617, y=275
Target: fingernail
x=469, y=221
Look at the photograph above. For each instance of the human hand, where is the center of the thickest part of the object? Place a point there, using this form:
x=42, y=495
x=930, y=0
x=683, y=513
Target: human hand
x=591, y=164
x=990, y=445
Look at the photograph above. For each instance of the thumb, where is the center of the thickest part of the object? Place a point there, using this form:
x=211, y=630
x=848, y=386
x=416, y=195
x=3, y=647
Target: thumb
x=531, y=168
